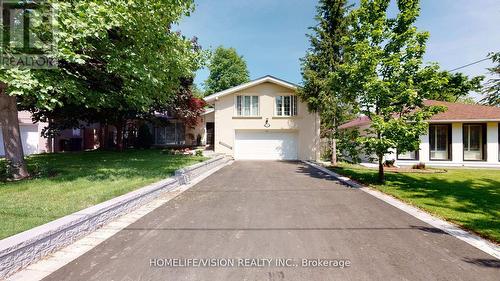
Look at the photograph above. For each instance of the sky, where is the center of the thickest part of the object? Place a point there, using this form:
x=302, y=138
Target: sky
x=271, y=34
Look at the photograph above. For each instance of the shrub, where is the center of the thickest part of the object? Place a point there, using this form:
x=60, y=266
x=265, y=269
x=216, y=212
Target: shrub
x=348, y=146
x=42, y=170
x=5, y=170
x=419, y=166
x=326, y=154
x=144, y=137
x=389, y=163
x=198, y=152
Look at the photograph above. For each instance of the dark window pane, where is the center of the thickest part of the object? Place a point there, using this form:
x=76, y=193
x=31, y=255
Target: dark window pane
x=279, y=104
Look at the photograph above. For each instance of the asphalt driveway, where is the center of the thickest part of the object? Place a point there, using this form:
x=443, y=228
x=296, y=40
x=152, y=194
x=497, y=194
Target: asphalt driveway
x=279, y=221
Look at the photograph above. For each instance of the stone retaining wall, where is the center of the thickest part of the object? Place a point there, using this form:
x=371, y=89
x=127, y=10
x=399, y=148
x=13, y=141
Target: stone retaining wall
x=23, y=249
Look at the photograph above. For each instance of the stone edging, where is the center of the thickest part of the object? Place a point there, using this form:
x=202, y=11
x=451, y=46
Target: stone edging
x=470, y=238
x=25, y=248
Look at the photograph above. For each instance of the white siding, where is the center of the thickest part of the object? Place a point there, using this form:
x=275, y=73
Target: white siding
x=457, y=149
x=29, y=138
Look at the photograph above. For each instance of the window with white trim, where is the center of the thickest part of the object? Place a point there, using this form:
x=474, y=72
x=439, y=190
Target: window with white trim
x=286, y=105
x=439, y=140
x=473, y=142
x=247, y=106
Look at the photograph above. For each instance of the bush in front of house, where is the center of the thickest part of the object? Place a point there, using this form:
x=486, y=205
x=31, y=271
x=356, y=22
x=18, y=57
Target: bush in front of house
x=144, y=137
x=389, y=163
x=348, y=146
x=5, y=170
x=419, y=166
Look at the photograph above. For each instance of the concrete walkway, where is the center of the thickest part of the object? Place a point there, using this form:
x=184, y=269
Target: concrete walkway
x=272, y=212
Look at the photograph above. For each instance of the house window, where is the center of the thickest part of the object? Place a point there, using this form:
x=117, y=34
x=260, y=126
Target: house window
x=286, y=105
x=170, y=134
x=247, y=105
x=409, y=155
x=439, y=139
x=473, y=138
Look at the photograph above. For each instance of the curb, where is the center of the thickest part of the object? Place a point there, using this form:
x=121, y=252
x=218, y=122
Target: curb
x=470, y=238
x=20, y=250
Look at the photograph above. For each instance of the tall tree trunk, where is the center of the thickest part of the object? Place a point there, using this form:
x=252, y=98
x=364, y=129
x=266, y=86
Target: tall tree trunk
x=13, y=146
x=334, y=151
x=381, y=176
x=119, y=136
x=334, y=143
x=105, y=136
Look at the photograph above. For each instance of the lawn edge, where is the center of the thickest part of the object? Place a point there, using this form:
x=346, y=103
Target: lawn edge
x=25, y=248
x=463, y=234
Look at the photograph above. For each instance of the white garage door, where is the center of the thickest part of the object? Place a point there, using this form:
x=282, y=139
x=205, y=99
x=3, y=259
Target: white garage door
x=251, y=145
x=29, y=138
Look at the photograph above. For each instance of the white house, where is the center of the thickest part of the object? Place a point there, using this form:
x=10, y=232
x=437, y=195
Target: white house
x=463, y=135
x=31, y=138
x=263, y=119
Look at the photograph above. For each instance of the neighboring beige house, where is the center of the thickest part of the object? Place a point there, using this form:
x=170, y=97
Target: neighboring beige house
x=259, y=120
x=464, y=135
x=262, y=120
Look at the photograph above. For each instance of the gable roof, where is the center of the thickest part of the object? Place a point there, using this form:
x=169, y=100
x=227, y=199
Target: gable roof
x=465, y=112
x=358, y=122
x=267, y=78
x=456, y=112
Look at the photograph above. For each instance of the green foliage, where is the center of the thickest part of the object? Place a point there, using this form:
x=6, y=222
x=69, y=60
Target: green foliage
x=5, y=170
x=492, y=89
x=452, y=87
x=144, y=137
x=227, y=69
x=382, y=68
x=348, y=146
x=115, y=54
x=320, y=64
x=198, y=152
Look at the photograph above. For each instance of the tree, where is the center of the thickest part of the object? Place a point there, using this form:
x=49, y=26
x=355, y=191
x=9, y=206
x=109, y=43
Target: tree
x=322, y=59
x=129, y=41
x=383, y=60
x=452, y=87
x=227, y=69
x=492, y=89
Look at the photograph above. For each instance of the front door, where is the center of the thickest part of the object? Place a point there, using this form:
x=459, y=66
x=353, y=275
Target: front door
x=210, y=126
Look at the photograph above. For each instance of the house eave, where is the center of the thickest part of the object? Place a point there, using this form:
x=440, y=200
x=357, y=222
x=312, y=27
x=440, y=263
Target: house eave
x=268, y=78
x=464, y=120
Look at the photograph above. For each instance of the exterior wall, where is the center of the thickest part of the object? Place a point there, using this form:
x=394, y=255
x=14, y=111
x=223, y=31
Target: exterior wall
x=492, y=152
x=199, y=129
x=31, y=137
x=305, y=124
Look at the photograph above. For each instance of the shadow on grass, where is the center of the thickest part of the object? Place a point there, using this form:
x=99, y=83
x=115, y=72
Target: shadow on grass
x=104, y=165
x=470, y=198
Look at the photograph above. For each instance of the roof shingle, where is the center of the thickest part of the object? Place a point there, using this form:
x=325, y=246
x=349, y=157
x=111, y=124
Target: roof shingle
x=455, y=112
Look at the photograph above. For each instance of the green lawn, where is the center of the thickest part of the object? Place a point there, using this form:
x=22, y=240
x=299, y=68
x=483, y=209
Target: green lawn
x=73, y=181
x=467, y=197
